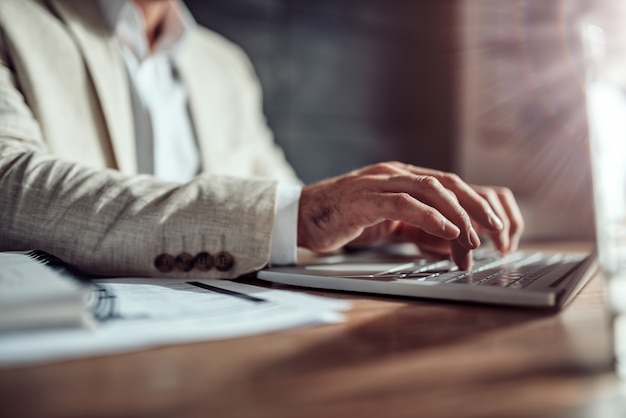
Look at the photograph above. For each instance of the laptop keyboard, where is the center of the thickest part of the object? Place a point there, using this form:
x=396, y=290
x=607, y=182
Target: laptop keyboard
x=516, y=271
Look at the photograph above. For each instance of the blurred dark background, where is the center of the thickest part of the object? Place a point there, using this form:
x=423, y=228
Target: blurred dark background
x=349, y=82
x=353, y=82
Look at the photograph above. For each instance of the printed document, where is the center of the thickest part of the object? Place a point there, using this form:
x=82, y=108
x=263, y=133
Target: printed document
x=140, y=313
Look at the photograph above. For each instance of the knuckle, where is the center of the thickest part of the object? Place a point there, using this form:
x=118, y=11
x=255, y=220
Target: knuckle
x=429, y=182
x=486, y=206
x=386, y=167
x=452, y=179
x=462, y=218
x=517, y=226
x=504, y=191
x=489, y=194
x=431, y=217
x=463, y=215
x=402, y=201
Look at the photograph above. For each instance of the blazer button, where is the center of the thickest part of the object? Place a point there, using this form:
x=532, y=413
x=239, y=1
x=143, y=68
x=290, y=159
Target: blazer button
x=184, y=262
x=164, y=263
x=204, y=261
x=224, y=261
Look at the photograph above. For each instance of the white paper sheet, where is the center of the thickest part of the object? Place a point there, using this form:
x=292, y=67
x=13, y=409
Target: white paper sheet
x=154, y=312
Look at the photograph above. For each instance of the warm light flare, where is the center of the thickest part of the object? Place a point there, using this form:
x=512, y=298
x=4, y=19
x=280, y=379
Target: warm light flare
x=523, y=110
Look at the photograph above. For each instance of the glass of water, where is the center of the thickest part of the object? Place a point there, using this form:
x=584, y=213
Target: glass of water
x=605, y=56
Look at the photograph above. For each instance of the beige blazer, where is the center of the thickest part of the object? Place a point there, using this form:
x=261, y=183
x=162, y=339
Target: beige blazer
x=68, y=180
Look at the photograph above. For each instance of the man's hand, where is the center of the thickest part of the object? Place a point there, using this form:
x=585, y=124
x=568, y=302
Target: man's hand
x=397, y=203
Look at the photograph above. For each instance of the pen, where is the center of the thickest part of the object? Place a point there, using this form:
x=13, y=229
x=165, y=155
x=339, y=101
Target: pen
x=227, y=292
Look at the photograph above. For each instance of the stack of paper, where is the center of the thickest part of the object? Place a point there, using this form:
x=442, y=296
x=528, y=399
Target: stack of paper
x=35, y=296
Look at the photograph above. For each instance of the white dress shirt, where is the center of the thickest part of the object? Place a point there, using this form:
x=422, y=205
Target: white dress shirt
x=165, y=139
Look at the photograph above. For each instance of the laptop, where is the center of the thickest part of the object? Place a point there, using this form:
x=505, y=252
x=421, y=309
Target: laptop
x=524, y=279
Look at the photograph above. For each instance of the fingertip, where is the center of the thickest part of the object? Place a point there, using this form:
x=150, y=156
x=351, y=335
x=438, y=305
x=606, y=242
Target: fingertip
x=470, y=240
x=495, y=222
x=461, y=257
x=473, y=238
x=465, y=262
x=514, y=245
x=505, y=244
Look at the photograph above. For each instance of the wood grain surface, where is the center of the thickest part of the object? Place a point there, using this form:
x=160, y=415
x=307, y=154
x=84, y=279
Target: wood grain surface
x=391, y=357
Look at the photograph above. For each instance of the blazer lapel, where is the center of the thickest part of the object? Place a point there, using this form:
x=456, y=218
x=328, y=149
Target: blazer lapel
x=204, y=102
x=86, y=23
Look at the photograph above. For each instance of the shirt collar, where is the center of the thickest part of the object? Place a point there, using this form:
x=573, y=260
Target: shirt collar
x=126, y=20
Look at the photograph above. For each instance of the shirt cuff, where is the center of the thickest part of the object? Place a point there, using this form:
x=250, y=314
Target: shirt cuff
x=284, y=246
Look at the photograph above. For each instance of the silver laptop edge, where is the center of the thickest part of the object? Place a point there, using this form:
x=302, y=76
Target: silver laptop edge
x=554, y=290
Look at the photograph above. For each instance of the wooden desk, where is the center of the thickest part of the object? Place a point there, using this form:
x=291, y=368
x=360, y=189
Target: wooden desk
x=392, y=357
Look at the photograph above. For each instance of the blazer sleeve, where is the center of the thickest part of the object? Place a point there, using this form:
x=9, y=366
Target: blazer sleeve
x=107, y=223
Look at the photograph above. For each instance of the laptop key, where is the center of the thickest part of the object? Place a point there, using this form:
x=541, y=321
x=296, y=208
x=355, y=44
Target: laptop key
x=477, y=277
x=443, y=277
x=497, y=282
